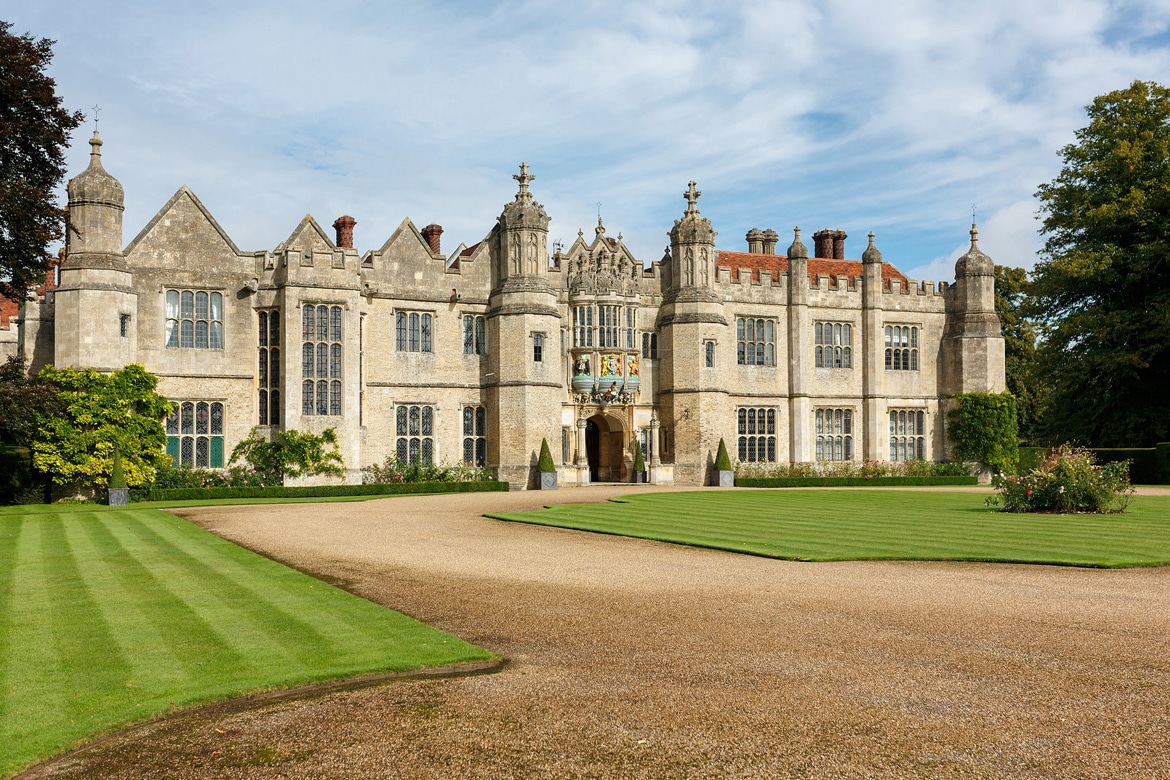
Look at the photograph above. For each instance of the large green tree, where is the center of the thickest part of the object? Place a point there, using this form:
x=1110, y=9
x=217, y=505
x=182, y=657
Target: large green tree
x=1019, y=336
x=34, y=133
x=102, y=413
x=1102, y=287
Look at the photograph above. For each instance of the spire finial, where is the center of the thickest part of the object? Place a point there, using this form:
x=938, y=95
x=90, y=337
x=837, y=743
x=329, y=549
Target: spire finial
x=974, y=236
x=96, y=111
x=797, y=249
x=692, y=195
x=95, y=150
x=871, y=253
x=523, y=177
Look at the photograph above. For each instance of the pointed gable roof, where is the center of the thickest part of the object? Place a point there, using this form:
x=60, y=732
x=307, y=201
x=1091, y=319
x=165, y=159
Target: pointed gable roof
x=310, y=225
x=184, y=194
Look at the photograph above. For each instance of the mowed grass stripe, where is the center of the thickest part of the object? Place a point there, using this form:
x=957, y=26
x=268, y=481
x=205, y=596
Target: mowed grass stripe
x=834, y=525
x=113, y=616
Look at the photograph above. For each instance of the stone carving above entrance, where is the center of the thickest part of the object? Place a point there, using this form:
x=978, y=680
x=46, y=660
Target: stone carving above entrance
x=605, y=266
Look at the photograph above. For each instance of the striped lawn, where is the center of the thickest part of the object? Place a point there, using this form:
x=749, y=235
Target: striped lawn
x=108, y=616
x=836, y=525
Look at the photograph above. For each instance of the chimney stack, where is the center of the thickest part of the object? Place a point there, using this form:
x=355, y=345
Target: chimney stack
x=770, y=239
x=755, y=241
x=839, y=237
x=344, y=227
x=432, y=233
x=823, y=243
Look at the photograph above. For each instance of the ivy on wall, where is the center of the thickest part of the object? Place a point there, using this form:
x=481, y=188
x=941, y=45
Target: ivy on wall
x=982, y=426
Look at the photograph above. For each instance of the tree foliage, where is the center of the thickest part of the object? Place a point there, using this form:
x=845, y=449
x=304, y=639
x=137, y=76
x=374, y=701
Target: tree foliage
x=544, y=463
x=290, y=454
x=101, y=413
x=34, y=133
x=1102, y=288
x=24, y=401
x=1019, y=336
x=982, y=426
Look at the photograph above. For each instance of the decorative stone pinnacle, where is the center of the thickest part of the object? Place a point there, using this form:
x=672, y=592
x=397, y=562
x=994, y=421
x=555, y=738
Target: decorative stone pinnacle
x=600, y=229
x=95, y=145
x=974, y=236
x=523, y=177
x=692, y=195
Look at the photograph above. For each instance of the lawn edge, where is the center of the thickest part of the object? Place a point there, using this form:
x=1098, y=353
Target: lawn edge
x=265, y=697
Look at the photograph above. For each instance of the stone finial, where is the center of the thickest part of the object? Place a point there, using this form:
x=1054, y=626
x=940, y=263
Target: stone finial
x=599, y=231
x=974, y=263
x=344, y=227
x=871, y=253
x=692, y=196
x=797, y=250
x=95, y=150
x=523, y=177
x=432, y=234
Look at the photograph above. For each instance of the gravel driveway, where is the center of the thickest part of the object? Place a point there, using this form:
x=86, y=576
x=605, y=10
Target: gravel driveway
x=630, y=658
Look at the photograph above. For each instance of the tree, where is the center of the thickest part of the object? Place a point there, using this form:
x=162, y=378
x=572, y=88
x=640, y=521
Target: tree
x=290, y=454
x=1019, y=336
x=983, y=428
x=102, y=413
x=24, y=402
x=34, y=132
x=1102, y=288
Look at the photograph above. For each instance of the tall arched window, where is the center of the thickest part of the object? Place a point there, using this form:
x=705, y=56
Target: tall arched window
x=322, y=354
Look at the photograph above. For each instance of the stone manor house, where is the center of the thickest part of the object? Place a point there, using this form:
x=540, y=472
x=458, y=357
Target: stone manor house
x=479, y=354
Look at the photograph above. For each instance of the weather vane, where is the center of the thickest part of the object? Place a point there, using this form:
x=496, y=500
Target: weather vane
x=96, y=111
x=972, y=212
x=598, y=211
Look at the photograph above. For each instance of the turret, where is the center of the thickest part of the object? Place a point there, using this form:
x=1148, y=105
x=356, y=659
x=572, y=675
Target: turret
x=692, y=244
x=96, y=308
x=523, y=240
x=973, y=347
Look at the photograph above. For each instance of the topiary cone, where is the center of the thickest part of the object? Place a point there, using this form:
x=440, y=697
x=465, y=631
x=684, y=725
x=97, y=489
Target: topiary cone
x=639, y=461
x=117, y=478
x=722, y=461
x=545, y=464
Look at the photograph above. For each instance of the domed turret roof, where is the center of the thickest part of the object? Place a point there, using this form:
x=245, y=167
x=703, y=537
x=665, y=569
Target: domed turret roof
x=94, y=184
x=797, y=248
x=871, y=254
x=974, y=263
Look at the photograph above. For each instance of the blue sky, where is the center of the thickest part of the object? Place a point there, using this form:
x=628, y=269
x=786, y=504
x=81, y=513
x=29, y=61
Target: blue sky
x=895, y=117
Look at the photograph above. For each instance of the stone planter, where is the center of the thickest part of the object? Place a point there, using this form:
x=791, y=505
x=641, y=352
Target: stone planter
x=725, y=478
x=119, y=496
x=639, y=477
x=548, y=480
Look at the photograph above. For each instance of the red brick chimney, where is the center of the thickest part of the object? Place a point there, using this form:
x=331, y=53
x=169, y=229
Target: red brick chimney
x=344, y=227
x=823, y=243
x=431, y=234
x=839, y=237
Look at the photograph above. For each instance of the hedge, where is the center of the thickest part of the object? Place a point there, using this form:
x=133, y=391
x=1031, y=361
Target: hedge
x=787, y=482
x=321, y=491
x=1150, y=466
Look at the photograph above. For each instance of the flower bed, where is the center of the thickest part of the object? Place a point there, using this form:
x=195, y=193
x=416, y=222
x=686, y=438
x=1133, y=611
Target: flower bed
x=1068, y=480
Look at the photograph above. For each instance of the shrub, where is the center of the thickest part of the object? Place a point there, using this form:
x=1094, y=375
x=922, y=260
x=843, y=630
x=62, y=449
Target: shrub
x=117, y=479
x=291, y=453
x=639, y=460
x=722, y=462
x=393, y=471
x=545, y=465
x=983, y=428
x=1068, y=480
x=322, y=491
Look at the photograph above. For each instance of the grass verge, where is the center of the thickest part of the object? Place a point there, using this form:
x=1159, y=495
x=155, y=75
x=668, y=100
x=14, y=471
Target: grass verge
x=112, y=615
x=837, y=525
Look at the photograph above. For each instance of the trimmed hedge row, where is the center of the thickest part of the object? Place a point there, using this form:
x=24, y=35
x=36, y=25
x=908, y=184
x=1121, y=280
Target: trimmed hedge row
x=784, y=482
x=1150, y=466
x=322, y=491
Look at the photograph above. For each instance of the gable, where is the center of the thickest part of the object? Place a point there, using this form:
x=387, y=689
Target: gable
x=182, y=225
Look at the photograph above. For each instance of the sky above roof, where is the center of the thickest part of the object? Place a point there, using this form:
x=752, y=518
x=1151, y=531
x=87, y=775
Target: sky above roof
x=849, y=114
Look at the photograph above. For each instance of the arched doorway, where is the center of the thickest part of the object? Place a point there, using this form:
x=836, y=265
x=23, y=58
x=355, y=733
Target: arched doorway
x=605, y=448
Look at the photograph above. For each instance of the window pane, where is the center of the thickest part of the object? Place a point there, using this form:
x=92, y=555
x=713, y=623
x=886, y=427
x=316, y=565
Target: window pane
x=845, y=335
x=188, y=418
x=414, y=420
x=335, y=324
x=263, y=329
x=308, y=328
x=400, y=427
x=468, y=335
x=216, y=340
x=751, y=421
x=216, y=452
x=335, y=361
x=172, y=333
x=848, y=358
x=322, y=323
x=173, y=421
x=468, y=422
x=414, y=447
x=274, y=374
x=848, y=421
x=768, y=331
x=307, y=361
x=216, y=306
x=468, y=450
x=322, y=360
x=817, y=329
x=771, y=421
x=889, y=336
x=322, y=397
x=201, y=452
x=173, y=304
x=187, y=331
x=400, y=331
x=187, y=304
x=263, y=368
x=307, y=405
x=751, y=448
x=274, y=408
x=481, y=340
x=743, y=448
x=274, y=329
x=401, y=451
x=201, y=334
x=480, y=452
x=413, y=334
x=187, y=452
x=428, y=451
x=426, y=421
x=480, y=421
x=335, y=398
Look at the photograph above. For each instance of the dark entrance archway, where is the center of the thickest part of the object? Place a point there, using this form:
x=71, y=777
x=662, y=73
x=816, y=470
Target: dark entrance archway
x=605, y=448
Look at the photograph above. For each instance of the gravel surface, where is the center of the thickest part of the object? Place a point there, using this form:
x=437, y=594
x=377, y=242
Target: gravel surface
x=634, y=659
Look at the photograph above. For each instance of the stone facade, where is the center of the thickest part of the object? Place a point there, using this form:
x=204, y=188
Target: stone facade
x=482, y=353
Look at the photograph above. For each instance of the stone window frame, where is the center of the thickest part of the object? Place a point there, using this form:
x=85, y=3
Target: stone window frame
x=474, y=333
x=179, y=314
x=322, y=359
x=538, y=346
x=268, y=363
x=583, y=325
x=907, y=434
x=609, y=325
x=833, y=432
x=195, y=433
x=414, y=330
x=649, y=345
x=902, y=344
x=756, y=433
x=414, y=431
x=761, y=344
x=474, y=417
x=709, y=353
x=833, y=344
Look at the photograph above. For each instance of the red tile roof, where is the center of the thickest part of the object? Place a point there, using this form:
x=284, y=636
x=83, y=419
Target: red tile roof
x=817, y=266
